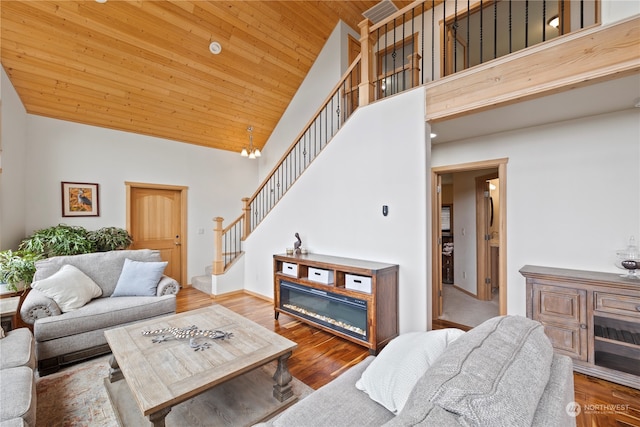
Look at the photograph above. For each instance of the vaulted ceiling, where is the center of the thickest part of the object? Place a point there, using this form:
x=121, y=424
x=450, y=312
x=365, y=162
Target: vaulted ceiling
x=144, y=66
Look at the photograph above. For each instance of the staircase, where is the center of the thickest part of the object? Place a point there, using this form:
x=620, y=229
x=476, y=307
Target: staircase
x=204, y=283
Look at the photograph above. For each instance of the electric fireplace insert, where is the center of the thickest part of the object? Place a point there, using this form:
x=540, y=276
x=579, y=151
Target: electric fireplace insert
x=341, y=313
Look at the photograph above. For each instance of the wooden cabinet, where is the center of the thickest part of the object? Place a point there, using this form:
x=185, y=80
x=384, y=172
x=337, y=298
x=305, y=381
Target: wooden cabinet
x=592, y=317
x=563, y=311
x=354, y=299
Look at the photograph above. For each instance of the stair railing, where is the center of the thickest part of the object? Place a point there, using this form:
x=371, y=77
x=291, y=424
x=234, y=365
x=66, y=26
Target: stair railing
x=337, y=108
x=228, y=243
x=330, y=117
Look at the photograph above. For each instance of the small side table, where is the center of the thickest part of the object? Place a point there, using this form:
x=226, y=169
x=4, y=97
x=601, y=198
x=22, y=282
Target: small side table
x=8, y=312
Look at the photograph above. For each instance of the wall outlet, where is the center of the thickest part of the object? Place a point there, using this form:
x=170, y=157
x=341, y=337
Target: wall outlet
x=464, y=274
x=200, y=230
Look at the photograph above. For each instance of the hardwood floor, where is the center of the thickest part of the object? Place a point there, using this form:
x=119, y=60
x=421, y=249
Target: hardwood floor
x=605, y=404
x=321, y=357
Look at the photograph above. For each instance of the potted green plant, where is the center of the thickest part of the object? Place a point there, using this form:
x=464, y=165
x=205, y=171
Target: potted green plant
x=110, y=239
x=58, y=240
x=17, y=269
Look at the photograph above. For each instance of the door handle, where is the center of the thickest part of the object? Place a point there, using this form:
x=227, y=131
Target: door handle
x=177, y=243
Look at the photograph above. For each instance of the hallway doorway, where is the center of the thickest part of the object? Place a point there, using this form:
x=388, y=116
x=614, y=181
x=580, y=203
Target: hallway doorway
x=469, y=244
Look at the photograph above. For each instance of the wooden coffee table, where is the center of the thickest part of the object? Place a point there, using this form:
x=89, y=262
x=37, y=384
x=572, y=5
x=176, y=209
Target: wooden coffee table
x=163, y=374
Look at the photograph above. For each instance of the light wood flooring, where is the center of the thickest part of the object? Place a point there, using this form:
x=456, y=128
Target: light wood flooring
x=321, y=357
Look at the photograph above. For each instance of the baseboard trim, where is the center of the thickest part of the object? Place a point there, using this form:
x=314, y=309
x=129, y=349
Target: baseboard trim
x=227, y=294
x=242, y=292
x=257, y=295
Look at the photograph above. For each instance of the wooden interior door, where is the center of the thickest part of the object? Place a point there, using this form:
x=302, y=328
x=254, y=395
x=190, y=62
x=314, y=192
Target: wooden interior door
x=439, y=266
x=484, y=205
x=436, y=263
x=156, y=221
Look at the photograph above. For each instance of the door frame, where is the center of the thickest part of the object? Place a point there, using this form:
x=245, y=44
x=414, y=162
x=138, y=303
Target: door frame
x=183, y=217
x=436, y=245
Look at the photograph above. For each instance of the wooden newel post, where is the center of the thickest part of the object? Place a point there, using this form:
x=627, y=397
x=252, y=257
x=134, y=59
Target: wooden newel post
x=246, y=222
x=366, y=50
x=218, y=263
x=414, y=64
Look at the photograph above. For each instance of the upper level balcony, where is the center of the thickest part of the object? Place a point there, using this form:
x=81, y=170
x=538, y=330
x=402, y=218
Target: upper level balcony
x=481, y=55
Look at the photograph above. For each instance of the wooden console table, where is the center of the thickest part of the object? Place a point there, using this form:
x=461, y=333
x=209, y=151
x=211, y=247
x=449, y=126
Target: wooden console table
x=372, y=286
x=590, y=316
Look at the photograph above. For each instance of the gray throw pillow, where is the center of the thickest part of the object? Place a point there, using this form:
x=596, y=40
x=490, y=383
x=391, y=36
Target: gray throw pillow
x=139, y=278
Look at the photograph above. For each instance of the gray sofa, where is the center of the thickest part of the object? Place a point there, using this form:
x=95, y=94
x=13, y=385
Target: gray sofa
x=17, y=364
x=502, y=373
x=66, y=337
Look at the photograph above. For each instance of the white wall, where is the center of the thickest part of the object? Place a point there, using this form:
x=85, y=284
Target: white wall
x=325, y=73
x=378, y=158
x=573, y=192
x=616, y=10
x=64, y=151
x=13, y=190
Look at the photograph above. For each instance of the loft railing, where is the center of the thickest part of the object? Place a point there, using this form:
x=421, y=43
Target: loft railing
x=425, y=41
x=430, y=39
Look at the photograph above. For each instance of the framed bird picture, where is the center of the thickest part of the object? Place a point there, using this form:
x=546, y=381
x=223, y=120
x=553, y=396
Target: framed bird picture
x=80, y=199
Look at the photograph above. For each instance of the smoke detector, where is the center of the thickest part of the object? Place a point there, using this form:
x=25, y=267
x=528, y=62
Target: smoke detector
x=215, y=48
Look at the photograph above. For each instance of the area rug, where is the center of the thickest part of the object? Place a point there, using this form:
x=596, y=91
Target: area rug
x=76, y=396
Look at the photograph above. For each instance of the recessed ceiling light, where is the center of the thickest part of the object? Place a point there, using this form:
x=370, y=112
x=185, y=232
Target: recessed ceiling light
x=101, y=1
x=215, y=48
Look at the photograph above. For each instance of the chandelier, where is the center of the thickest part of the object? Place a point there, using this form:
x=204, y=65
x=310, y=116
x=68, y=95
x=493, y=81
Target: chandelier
x=250, y=152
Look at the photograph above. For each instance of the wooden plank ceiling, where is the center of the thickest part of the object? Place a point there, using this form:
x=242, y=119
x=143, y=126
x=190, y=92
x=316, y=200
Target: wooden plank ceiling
x=144, y=66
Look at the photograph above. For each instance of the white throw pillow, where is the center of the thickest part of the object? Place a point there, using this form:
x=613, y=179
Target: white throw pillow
x=392, y=375
x=69, y=287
